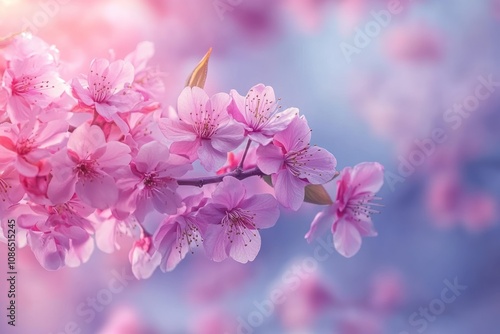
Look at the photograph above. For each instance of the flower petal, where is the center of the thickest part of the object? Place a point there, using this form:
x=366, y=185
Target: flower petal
x=346, y=238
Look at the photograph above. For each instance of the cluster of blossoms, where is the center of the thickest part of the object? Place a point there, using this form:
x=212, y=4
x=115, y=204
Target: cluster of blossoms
x=87, y=160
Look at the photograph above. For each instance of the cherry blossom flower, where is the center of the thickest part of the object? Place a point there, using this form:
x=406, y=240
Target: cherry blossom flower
x=144, y=258
x=293, y=163
x=450, y=203
x=107, y=89
x=204, y=129
x=259, y=112
x=85, y=166
x=108, y=228
x=147, y=80
x=149, y=183
x=25, y=45
x=58, y=235
x=32, y=83
x=27, y=144
x=349, y=216
x=234, y=220
x=178, y=234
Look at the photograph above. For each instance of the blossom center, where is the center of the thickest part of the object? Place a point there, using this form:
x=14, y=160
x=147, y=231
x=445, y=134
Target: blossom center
x=205, y=125
x=296, y=161
x=27, y=83
x=101, y=88
x=361, y=207
x=25, y=146
x=239, y=222
x=261, y=109
x=191, y=235
x=86, y=169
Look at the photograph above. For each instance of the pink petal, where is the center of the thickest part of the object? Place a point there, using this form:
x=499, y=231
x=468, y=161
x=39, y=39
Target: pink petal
x=78, y=254
x=85, y=140
x=244, y=250
x=176, y=130
x=215, y=243
x=228, y=137
x=321, y=223
x=141, y=55
x=265, y=207
x=188, y=149
x=210, y=158
x=289, y=189
x=106, y=110
x=25, y=168
x=318, y=165
x=229, y=193
x=83, y=94
x=260, y=138
x=100, y=192
x=369, y=176
x=270, y=159
x=220, y=102
x=116, y=155
x=165, y=200
x=105, y=236
x=120, y=73
x=296, y=136
x=346, y=238
x=47, y=251
x=62, y=187
x=280, y=121
x=150, y=156
x=190, y=102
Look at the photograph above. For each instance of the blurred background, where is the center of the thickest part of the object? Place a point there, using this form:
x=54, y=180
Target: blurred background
x=411, y=84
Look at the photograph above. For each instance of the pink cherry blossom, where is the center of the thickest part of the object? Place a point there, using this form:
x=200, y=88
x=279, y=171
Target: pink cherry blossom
x=234, y=220
x=86, y=167
x=27, y=144
x=293, y=163
x=178, y=234
x=144, y=258
x=108, y=229
x=147, y=80
x=301, y=306
x=349, y=216
x=259, y=112
x=450, y=203
x=204, y=129
x=107, y=89
x=150, y=182
x=32, y=83
x=58, y=235
x=25, y=45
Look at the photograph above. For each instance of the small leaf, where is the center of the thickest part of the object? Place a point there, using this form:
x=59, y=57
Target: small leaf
x=314, y=193
x=199, y=75
x=268, y=180
x=317, y=194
